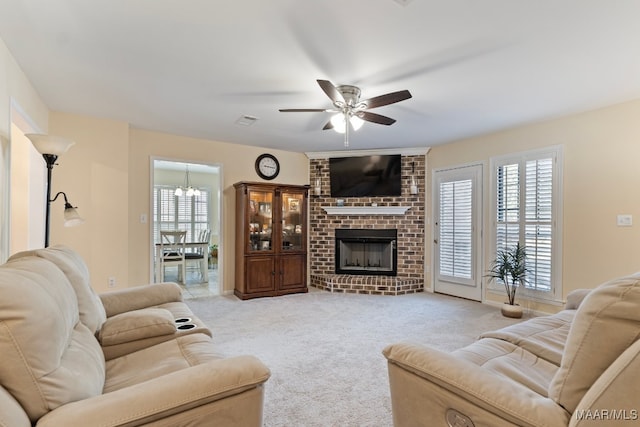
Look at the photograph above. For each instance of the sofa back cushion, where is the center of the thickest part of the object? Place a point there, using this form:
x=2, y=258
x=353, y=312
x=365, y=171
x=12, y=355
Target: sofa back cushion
x=91, y=310
x=606, y=323
x=48, y=357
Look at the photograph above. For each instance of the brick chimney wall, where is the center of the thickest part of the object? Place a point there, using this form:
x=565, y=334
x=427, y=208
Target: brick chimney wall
x=410, y=226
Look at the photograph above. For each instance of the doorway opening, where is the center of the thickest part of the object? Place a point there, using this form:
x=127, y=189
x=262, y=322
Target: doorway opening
x=198, y=214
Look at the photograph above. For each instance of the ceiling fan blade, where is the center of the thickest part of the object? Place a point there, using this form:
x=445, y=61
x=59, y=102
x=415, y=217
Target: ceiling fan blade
x=328, y=126
x=331, y=91
x=302, y=110
x=376, y=118
x=386, y=99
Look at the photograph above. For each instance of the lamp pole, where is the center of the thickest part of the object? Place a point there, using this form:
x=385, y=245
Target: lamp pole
x=50, y=159
x=51, y=147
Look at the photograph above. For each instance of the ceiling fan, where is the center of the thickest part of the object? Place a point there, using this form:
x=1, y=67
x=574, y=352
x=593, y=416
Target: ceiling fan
x=350, y=111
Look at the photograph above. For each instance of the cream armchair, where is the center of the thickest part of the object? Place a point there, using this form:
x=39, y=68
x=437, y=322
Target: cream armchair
x=580, y=367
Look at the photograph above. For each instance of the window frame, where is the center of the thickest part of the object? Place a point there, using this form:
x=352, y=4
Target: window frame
x=554, y=295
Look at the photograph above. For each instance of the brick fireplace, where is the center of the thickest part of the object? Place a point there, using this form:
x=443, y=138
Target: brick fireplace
x=404, y=213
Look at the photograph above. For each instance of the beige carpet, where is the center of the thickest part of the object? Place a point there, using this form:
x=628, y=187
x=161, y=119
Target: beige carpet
x=324, y=349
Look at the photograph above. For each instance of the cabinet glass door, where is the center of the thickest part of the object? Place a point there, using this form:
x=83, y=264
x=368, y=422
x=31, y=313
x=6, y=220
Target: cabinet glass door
x=260, y=220
x=292, y=221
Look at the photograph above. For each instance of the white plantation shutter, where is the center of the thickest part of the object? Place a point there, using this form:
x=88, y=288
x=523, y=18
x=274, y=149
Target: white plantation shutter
x=456, y=227
x=538, y=222
x=187, y=213
x=526, y=210
x=164, y=211
x=508, y=207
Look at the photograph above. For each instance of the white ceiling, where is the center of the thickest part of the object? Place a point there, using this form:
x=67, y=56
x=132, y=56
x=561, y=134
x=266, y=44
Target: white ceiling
x=194, y=67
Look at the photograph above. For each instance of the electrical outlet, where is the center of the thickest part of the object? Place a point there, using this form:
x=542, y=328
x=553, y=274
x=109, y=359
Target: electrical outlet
x=112, y=282
x=143, y=218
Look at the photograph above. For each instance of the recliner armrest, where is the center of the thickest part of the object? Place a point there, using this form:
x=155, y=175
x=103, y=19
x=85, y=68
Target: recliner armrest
x=165, y=396
x=136, y=325
x=130, y=299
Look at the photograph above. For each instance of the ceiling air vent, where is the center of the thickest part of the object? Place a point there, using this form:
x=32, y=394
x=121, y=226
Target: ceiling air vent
x=246, y=120
x=403, y=2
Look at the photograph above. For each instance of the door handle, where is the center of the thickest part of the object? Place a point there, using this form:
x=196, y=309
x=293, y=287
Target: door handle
x=435, y=241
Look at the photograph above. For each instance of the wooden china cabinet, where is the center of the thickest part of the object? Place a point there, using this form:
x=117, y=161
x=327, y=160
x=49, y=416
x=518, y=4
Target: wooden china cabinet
x=271, y=239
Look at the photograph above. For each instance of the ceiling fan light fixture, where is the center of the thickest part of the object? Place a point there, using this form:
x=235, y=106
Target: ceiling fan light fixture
x=348, y=106
x=338, y=123
x=356, y=122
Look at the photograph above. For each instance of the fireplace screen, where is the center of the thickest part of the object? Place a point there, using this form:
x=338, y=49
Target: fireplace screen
x=366, y=251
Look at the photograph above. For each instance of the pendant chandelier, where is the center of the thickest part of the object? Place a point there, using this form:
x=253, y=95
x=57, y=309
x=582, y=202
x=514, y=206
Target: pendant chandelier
x=187, y=189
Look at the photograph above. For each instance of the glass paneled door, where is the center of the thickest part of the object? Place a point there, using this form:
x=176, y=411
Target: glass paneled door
x=457, y=219
x=292, y=221
x=260, y=220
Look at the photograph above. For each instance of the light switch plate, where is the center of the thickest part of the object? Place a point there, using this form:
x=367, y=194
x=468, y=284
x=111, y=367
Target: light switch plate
x=625, y=220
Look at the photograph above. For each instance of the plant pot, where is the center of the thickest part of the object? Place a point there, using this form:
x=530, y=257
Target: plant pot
x=513, y=311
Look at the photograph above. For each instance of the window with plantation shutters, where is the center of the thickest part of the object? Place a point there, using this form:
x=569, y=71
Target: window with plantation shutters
x=527, y=209
x=187, y=213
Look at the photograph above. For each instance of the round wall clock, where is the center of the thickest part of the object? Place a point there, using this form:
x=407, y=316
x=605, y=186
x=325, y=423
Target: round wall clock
x=267, y=166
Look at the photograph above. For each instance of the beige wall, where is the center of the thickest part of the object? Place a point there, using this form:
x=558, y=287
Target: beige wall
x=601, y=180
x=107, y=176
x=94, y=174
x=237, y=163
x=16, y=93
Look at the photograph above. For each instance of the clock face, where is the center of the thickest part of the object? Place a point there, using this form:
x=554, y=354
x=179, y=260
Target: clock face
x=267, y=166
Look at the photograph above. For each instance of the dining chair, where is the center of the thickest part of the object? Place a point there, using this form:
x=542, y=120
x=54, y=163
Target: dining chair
x=201, y=254
x=172, y=252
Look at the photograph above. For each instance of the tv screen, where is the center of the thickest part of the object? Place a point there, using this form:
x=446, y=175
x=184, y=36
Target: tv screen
x=365, y=176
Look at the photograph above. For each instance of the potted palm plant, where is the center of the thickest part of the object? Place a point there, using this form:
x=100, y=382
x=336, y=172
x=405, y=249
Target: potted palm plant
x=510, y=267
x=213, y=259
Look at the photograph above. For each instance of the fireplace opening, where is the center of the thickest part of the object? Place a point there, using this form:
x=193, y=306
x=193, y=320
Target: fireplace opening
x=366, y=251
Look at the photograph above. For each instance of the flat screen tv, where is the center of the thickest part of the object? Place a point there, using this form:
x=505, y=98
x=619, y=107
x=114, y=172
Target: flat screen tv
x=365, y=176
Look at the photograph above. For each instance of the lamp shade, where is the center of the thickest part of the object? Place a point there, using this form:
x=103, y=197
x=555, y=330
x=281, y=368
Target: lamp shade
x=71, y=217
x=48, y=144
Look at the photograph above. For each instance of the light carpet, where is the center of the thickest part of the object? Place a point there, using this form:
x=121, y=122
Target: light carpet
x=324, y=349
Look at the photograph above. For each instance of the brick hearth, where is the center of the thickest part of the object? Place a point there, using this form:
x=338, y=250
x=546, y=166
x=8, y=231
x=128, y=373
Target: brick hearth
x=410, y=226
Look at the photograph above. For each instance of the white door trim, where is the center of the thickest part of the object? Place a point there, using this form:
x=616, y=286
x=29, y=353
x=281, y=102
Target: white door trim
x=465, y=288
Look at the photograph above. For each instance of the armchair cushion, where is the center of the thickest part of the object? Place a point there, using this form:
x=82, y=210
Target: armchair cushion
x=136, y=325
x=543, y=336
x=605, y=325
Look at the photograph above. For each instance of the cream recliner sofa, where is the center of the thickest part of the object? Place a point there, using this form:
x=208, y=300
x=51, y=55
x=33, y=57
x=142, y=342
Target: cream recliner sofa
x=579, y=367
x=70, y=357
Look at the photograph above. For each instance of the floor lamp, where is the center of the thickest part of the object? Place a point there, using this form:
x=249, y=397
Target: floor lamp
x=51, y=147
